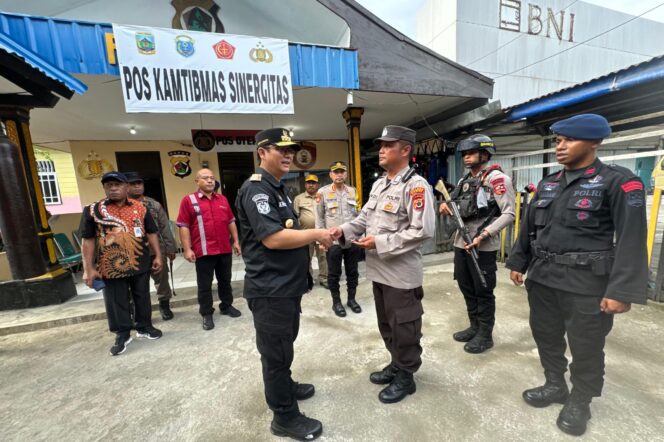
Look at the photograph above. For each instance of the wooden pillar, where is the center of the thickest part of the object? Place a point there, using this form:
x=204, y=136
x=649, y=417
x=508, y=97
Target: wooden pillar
x=16, y=121
x=353, y=117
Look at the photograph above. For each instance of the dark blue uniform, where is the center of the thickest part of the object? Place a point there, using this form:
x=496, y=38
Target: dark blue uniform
x=274, y=283
x=566, y=244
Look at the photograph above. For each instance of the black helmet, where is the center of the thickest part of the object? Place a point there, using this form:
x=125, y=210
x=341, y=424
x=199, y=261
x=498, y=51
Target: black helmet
x=477, y=142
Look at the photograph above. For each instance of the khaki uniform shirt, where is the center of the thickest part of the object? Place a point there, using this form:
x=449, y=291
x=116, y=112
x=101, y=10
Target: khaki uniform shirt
x=333, y=208
x=401, y=216
x=166, y=239
x=304, y=207
x=503, y=192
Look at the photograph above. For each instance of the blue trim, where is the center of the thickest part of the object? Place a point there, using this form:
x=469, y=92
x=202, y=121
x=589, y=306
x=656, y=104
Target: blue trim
x=11, y=47
x=78, y=47
x=632, y=76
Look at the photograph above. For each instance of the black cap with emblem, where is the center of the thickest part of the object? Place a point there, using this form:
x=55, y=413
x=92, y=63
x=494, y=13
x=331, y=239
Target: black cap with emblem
x=277, y=136
x=114, y=176
x=396, y=133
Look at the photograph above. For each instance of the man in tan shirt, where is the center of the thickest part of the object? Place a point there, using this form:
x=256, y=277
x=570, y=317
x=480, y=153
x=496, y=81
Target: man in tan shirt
x=304, y=207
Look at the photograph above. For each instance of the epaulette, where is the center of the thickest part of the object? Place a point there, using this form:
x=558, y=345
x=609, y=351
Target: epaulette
x=256, y=177
x=622, y=170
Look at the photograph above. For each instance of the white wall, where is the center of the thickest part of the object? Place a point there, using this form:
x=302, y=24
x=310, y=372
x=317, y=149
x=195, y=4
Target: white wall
x=476, y=41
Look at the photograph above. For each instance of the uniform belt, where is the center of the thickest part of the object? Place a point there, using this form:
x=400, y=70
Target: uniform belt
x=572, y=258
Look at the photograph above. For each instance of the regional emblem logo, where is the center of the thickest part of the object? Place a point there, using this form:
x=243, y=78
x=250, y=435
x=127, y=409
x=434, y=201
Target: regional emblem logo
x=184, y=45
x=145, y=43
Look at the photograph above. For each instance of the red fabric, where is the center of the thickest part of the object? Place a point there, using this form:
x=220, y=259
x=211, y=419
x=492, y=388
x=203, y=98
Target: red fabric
x=632, y=185
x=217, y=215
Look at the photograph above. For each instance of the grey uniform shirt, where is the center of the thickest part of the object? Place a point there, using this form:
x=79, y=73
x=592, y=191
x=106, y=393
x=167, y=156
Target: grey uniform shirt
x=503, y=192
x=333, y=208
x=401, y=216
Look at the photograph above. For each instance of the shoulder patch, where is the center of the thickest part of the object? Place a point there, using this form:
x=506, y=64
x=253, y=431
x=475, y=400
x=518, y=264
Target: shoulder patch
x=261, y=201
x=256, y=177
x=632, y=185
x=417, y=195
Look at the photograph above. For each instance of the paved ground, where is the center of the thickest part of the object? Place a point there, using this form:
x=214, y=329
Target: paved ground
x=61, y=384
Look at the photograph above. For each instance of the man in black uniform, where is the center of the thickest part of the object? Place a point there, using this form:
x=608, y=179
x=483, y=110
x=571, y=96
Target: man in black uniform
x=275, y=252
x=578, y=278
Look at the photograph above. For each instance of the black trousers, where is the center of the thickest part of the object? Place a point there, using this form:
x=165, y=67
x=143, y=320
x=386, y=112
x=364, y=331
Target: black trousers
x=116, y=299
x=399, y=313
x=350, y=256
x=554, y=313
x=206, y=268
x=277, y=323
x=480, y=301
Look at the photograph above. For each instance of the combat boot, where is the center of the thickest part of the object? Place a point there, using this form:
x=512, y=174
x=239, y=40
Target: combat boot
x=337, y=306
x=165, y=310
x=553, y=391
x=385, y=376
x=480, y=343
x=467, y=334
x=300, y=427
x=573, y=418
x=352, y=303
x=402, y=385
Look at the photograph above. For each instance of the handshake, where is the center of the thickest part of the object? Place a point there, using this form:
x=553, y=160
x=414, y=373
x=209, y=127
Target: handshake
x=326, y=237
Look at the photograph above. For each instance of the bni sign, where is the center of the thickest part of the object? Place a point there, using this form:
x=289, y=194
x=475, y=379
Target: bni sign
x=176, y=71
x=548, y=24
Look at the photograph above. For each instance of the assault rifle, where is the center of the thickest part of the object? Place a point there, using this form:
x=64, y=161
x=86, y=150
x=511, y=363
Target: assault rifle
x=465, y=233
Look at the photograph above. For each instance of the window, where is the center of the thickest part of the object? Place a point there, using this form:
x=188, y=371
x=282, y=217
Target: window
x=48, y=179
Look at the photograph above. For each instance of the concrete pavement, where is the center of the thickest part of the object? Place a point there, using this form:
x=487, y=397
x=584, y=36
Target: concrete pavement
x=191, y=385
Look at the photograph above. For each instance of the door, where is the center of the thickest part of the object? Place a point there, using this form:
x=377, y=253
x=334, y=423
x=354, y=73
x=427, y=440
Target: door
x=234, y=169
x=148, y=166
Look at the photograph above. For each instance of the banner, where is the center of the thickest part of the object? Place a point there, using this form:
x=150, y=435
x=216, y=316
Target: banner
x=176, y=71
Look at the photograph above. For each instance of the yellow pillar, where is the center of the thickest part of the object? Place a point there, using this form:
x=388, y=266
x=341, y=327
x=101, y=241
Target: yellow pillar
x=517, y=218
x=353, y=117
x=652, y=225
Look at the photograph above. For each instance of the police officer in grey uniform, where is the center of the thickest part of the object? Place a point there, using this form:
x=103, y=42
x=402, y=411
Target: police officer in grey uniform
x=136, y=190
x=275, y=252
x=486, y=200
x=336, y=204
x=397, y=219
x=583, y=244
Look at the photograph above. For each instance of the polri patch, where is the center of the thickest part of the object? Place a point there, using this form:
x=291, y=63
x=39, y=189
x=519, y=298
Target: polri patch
x=499, y=186
x=261, y=201
x=417, y=194
x=635, y=199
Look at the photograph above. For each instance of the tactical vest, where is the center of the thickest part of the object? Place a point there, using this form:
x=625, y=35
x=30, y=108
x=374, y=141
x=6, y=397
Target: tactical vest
x=467, y=191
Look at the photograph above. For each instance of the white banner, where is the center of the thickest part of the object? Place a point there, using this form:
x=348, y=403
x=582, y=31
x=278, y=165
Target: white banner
x=175, y=71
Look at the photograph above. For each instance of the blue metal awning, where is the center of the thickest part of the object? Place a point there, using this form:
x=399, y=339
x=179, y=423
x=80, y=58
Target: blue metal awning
x=7, y=44
x=79, y=47
x=631, y=76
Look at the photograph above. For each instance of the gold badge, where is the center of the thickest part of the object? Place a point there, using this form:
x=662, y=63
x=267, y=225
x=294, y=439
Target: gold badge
x=388, y=207
x=289, y=223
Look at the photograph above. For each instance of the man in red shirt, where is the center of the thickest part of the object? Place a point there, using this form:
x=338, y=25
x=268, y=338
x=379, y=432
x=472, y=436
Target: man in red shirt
x=207, y=226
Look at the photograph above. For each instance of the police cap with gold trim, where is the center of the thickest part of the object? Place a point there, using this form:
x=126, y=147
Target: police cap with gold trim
x=277, y=136
x=311, y=177
x=336, y=165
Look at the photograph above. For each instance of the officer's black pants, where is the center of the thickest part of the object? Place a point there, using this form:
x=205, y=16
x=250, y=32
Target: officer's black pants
x=350, y=256
x=480, y=301
x=399, y=313
x=116, y=299
x=277, y=322
x=206, y=267
x=556, y=312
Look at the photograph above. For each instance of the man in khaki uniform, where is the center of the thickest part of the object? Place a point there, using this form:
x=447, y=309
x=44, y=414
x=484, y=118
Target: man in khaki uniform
x=335, y=205
x=166, y=242
x=304, y=207
x=396, y=220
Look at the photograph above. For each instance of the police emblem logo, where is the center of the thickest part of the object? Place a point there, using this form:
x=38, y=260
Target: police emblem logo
x=288, y=224
x=388, y=207
x=180, y=166
x=582, y=216
x=204, y=140
x=145, y=43
x=261, y=55
x=584, y=203
x=465, y=187
x=184, y=45
x=384, y=132
x=261, y=201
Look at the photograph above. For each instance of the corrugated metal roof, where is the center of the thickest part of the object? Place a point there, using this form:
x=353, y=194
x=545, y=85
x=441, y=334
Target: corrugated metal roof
x=78, y=47
x=630, y=76
x=10, y=46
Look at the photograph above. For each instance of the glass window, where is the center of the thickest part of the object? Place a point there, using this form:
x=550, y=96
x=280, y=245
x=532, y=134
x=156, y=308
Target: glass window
x=48, y=179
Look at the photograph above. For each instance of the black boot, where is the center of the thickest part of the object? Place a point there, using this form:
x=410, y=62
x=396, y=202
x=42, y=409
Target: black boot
x=337, y=306
x=385, y=376
x=573, y=418
x=165, y=310
x=553, y=391
x=300, y=427
x=352, y=303
x=480, y=343
x=467, y=334
x=402, y=385
x=303, y=391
